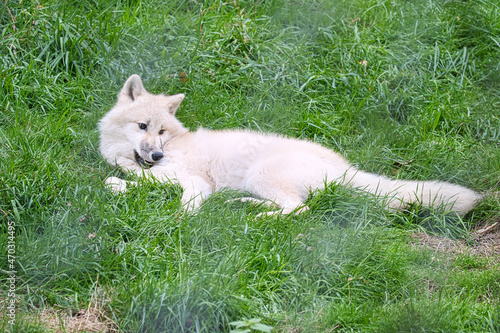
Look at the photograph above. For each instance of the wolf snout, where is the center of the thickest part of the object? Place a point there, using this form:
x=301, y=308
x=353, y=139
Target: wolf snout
x=157, y=155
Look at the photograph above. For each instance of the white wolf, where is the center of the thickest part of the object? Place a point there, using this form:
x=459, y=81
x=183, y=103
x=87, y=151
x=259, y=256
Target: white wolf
x=140, y=134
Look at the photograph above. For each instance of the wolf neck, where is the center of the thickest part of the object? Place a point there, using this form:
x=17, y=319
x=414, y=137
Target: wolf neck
x=181, y=137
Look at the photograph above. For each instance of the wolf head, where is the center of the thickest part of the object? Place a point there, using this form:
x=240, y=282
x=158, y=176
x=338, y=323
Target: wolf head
x=135, y=130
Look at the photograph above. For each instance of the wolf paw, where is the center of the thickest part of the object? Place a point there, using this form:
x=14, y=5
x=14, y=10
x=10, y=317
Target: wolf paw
x=116, y=185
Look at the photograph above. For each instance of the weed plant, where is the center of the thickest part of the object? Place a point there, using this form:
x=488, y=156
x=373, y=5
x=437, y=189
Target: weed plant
x=409, y=89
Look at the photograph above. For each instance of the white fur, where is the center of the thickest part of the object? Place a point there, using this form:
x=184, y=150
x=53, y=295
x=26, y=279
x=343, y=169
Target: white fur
x=269, y=166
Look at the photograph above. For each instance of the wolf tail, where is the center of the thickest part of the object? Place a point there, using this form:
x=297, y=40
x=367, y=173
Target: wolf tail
x=441, y=195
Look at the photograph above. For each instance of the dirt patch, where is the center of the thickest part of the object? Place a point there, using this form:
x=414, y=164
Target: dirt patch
x=86, y=320
x=488, y=239
x=485, y=241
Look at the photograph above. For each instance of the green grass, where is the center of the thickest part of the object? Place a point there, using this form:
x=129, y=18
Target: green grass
x=408, y=89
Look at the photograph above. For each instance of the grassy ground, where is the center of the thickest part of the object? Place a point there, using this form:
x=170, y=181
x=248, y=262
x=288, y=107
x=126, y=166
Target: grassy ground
x=408, y=89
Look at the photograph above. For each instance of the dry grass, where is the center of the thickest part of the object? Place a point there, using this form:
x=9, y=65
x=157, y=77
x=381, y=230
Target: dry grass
x=57, y=320
x=91, y=319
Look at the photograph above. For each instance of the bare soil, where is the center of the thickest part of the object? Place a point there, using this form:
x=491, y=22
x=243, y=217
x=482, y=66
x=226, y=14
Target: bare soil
x=485, y=241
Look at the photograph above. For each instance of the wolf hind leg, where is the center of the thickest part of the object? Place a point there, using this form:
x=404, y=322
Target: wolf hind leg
x=286, y=211
x=282, y=189
x=287, y=202
x=268, y=203
x=253, y=201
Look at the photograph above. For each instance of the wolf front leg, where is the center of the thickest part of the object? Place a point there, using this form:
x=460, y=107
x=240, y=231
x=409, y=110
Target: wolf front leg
x=196, y=190
x=117, y=185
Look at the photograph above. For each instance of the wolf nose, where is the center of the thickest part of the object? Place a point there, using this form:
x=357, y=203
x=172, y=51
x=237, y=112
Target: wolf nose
x=156, y=156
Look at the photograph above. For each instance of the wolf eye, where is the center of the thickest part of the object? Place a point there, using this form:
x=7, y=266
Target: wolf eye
x=143, y=126
x=161, y=132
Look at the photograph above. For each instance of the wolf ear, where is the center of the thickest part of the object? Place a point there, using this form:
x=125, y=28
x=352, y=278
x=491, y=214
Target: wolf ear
x=175, y=101
x=132, y=89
